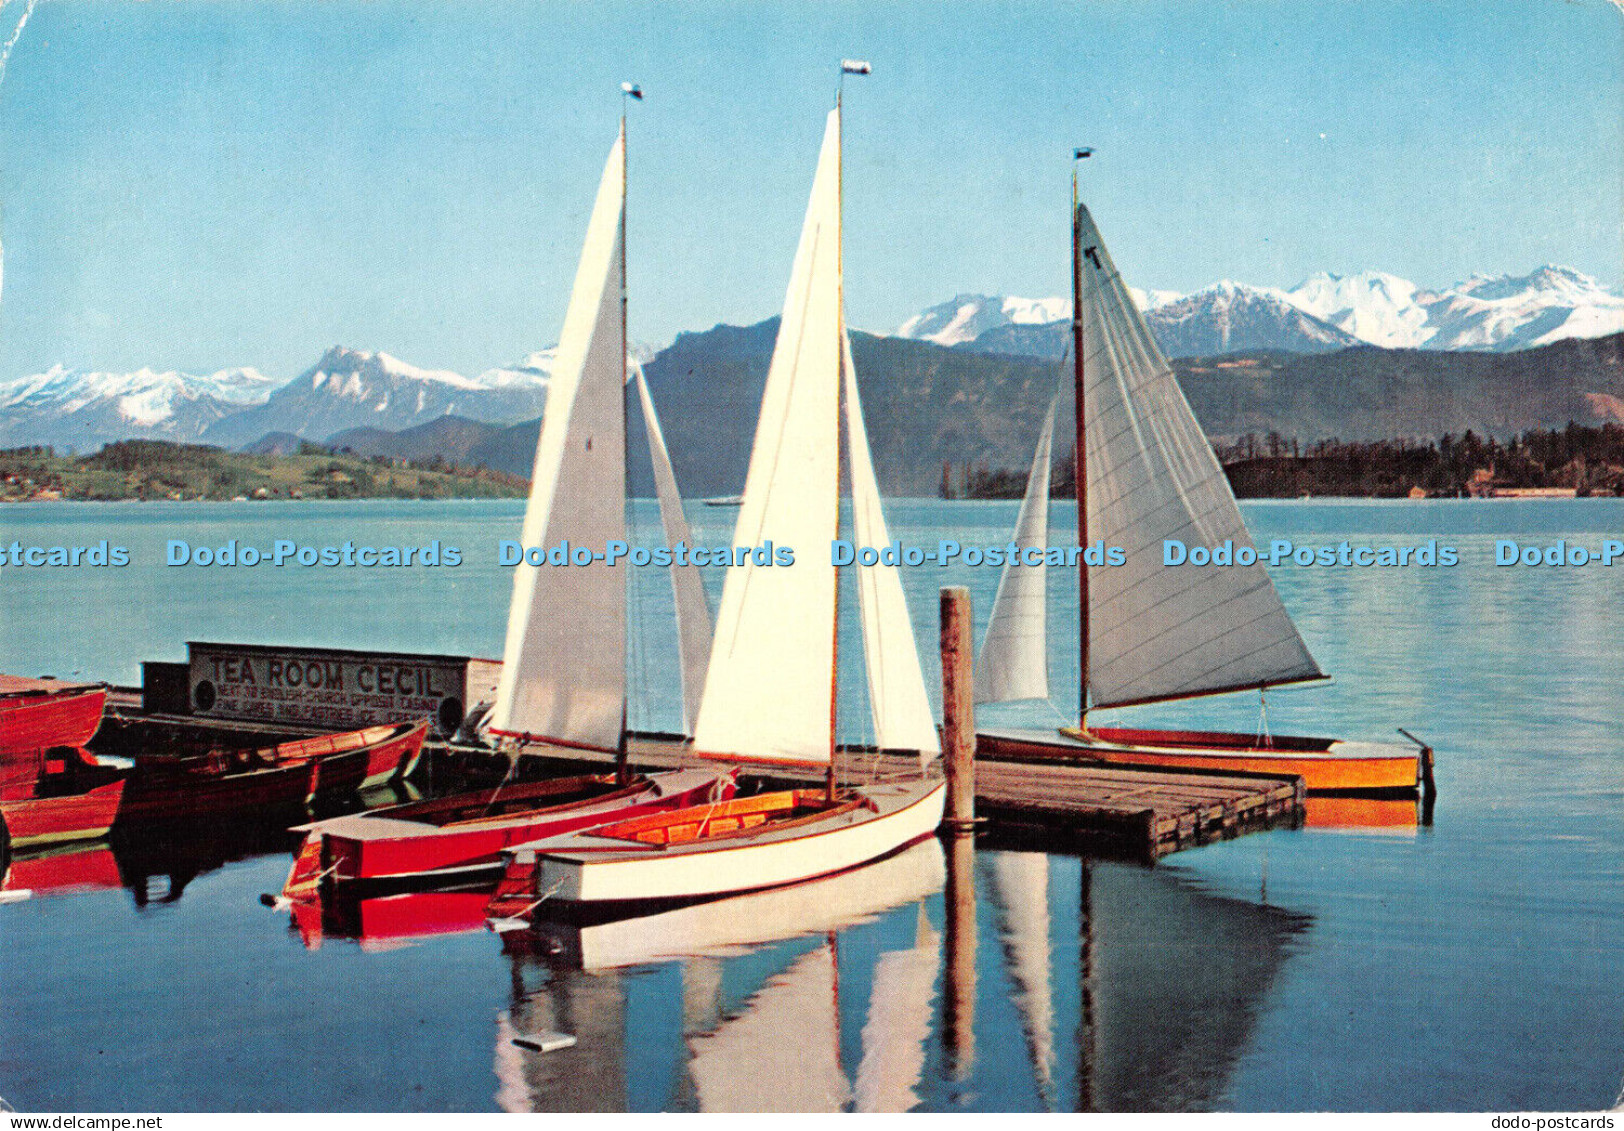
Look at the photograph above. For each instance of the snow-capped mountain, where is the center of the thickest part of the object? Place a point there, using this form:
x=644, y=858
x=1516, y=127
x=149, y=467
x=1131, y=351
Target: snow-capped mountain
x=1228, y=317
x=1372, y=306
x=81, y=410
x=1501, y=313
x=344, y=390
x=354, y=389
x=966, y=317
x=1506, y=312
x=1223, y=318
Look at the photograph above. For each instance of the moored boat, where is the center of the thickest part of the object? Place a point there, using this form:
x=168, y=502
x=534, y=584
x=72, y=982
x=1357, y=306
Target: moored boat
x=746, y=844
x=1151, y=633
x=769, y=688
x=294, y=773
x=39, y=713
x=721, y=926
x=563, y=685
x=459, y=837
x=48, y=816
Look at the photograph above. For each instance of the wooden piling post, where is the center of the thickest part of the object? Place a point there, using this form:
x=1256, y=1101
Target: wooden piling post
x=958, y=709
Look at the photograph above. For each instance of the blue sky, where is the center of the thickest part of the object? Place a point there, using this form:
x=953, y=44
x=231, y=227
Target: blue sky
x=201, y=183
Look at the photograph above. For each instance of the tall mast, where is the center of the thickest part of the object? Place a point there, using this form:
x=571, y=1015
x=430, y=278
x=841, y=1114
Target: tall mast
x=830, y=784
x=847, y=67
x=1080, y=451
x=628, y=91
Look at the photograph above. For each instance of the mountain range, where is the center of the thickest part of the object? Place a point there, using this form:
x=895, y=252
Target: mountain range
x=1324, y=312
x=927, y=405
x=975, y=367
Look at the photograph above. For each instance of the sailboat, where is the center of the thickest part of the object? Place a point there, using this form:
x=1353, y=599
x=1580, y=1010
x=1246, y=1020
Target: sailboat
x=769, y=695
x=563, y=682
x=1151, y=633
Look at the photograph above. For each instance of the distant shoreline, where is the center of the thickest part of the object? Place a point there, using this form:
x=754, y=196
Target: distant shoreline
x=154, y=470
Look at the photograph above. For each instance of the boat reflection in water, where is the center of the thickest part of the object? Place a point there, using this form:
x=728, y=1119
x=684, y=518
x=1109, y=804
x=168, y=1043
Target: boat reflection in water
x=1365, y=814
x=751, y=990
x=390, y=921
x=157, y=861
x=65, y=870
x=1172, y=980
x=1098, y=986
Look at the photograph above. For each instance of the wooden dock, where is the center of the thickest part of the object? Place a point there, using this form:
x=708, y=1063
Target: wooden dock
x=1138, y=813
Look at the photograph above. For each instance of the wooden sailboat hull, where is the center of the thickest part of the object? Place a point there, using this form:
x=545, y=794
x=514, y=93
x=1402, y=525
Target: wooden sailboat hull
x=459, y=837
x=592, y=867
x=1327, y=766
x=40, y=714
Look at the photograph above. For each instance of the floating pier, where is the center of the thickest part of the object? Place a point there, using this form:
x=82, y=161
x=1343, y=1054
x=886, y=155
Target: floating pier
x=1136, y=813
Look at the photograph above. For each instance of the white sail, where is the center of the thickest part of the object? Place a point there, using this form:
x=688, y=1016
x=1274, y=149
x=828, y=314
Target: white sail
x=693, y=613
x=1014, y=659
x=1155, y=631
x=563, y=666
x=783, y=1052
x=896, y=685
x=769, y=689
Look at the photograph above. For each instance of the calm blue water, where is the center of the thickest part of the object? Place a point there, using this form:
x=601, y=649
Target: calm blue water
x=1476, y=964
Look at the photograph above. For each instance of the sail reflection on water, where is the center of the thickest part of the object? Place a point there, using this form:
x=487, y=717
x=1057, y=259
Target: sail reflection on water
x=1113, y=987
x=1173, y=980
x=591, y=1074
x=760, y=1012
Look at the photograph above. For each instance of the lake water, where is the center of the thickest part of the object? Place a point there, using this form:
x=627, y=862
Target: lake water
x=1474, y=964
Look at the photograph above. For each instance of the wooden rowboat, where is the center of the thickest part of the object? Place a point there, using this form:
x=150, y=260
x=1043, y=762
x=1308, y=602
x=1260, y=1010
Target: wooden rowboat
x=68, y=816
x=165, y=788
x=39, y=713
x=58, y=794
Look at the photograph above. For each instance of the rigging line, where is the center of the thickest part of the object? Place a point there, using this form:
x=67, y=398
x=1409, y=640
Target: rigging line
x=513, y=765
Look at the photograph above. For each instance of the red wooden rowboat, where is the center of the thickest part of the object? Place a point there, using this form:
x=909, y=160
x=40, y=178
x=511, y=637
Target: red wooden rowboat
x=294, y=773
x=453, y=839
x=39, y=713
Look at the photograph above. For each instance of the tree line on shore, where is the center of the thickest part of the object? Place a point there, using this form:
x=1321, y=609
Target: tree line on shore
x=1579, y=458
x=159, y=469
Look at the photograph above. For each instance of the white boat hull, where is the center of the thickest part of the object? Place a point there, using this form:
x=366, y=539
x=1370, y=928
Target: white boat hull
x=584, y=868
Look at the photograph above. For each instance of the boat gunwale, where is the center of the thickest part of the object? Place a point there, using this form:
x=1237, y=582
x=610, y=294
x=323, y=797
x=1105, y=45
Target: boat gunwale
x=632, y=852
x=797, y=799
